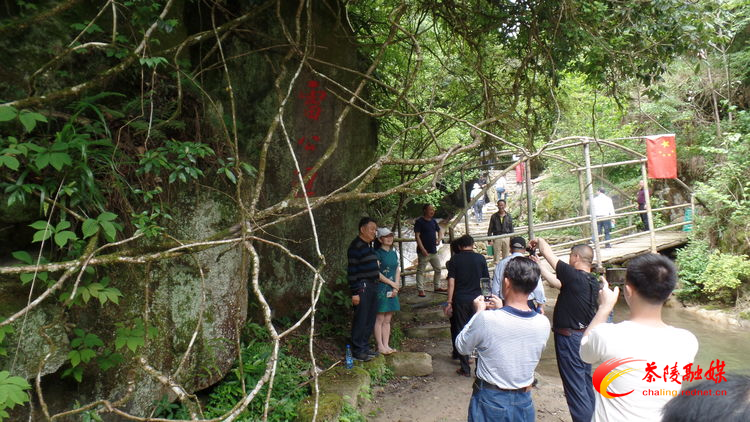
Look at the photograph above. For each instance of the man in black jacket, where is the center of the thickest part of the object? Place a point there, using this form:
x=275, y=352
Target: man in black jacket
x=363, y=273
x=500, y=223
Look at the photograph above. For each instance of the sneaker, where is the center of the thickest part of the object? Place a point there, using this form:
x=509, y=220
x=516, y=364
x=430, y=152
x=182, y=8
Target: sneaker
x=364, y=357
x=372, y=353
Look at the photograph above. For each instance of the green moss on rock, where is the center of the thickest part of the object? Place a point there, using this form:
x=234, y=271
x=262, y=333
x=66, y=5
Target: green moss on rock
x=329, y=408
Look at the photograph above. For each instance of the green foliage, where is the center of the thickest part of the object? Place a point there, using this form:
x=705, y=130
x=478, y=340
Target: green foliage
x=98, y=290
x=331, y=312
x=12, y=392
x=78, y=153
x=381, y=377
x=710, y=275
x=286, y=394
x=166, y=409
x=691, y=262
x=83, y=350
x=726, y=191
x=60, y=231
x=28, y=119
x=350, y=413
x=724, y=275
x=179, y=159
x=105, y=221
x=133, y=336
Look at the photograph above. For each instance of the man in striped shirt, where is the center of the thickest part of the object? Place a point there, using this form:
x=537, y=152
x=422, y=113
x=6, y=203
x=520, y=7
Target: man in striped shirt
x=363, y=273
x=509, y=342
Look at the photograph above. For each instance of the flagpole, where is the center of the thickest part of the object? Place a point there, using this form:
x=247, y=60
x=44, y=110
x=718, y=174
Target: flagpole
x=647, y=194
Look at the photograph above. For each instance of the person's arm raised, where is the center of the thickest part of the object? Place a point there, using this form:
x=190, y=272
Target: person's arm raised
x=545, y=250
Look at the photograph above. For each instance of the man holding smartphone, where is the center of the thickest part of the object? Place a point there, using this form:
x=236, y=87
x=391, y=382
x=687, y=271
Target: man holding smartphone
x=509, y=340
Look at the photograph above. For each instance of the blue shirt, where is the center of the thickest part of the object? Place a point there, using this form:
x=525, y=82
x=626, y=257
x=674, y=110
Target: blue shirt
x=497, y=281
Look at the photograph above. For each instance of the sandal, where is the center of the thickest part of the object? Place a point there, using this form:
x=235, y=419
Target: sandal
x=421, y=294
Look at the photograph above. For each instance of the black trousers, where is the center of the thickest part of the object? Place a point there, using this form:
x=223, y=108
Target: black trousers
x=462, y=313
x=364, y=318
x=644, y=216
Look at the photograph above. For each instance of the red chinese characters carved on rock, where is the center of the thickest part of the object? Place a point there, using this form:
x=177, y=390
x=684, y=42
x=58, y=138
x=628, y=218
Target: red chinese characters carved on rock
x=714, y=373
x=308, y=143
x=308, y=185
x=313, y=98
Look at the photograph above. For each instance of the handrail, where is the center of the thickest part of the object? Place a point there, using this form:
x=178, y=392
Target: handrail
x=568, y=222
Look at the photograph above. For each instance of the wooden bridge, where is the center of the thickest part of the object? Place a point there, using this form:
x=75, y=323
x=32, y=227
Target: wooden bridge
x=627, y=241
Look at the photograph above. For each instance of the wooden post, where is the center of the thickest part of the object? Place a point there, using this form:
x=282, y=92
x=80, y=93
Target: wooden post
x=529, y=202
x=400, y=244
x=582, y=193
x=647, y=194
x=466, y=204
x=589, y=183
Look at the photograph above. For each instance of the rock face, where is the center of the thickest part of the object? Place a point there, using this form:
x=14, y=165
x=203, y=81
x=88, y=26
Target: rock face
x=198, y=303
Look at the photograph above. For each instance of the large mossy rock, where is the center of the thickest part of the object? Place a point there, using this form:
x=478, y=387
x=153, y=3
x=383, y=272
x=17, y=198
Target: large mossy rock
x=347, y=383
x=329, y=408
x=199, y=302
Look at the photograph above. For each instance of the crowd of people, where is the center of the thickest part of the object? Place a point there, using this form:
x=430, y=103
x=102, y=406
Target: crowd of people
x=506, y=329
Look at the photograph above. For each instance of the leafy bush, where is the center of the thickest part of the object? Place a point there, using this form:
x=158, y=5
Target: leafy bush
x=12, y=392
x=691, y=263
x=286, y=391
x=333, y=308
x=723, y=276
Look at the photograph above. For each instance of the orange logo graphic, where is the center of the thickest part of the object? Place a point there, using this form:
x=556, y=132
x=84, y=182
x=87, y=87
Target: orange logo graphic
x=606, y=373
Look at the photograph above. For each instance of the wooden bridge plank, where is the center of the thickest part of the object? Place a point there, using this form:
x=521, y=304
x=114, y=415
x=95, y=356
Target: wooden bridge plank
x=630, y=248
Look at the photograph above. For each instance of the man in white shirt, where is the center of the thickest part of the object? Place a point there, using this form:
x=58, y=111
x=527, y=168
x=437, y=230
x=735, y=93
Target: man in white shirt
x=649, y=355
x=603, y=208
x=509, y=342
x=500, y=187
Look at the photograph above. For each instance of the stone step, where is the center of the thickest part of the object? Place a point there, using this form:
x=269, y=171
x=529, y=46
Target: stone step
x=423, y=315
x=429, y=331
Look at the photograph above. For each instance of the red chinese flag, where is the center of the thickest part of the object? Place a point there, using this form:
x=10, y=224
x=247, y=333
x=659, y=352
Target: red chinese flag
x=661, y=153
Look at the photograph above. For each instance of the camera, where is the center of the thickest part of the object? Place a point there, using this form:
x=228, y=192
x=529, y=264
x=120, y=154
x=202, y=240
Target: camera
x=532, y=251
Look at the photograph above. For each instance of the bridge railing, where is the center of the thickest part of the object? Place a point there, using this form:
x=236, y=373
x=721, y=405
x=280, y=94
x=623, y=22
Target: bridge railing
x=582, y=220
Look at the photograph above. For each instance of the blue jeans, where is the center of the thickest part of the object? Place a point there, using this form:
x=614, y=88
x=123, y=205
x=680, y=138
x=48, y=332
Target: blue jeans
x=576, y=376
x=500, y=193
x=604, y=227
x=478, y=210
x=500, y=406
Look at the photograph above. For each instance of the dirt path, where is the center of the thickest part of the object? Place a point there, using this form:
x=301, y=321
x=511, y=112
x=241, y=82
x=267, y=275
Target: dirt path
x=444, y=396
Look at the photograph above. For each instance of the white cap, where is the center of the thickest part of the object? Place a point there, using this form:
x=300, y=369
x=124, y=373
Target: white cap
x=383, y=232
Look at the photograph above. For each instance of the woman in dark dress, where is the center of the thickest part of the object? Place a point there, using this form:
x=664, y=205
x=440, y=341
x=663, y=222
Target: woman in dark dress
x=390, y=283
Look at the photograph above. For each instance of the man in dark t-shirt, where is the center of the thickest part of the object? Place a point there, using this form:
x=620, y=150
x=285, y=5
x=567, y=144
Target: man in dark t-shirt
x=427, y=232
x=464, y=271
x=575, y=308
